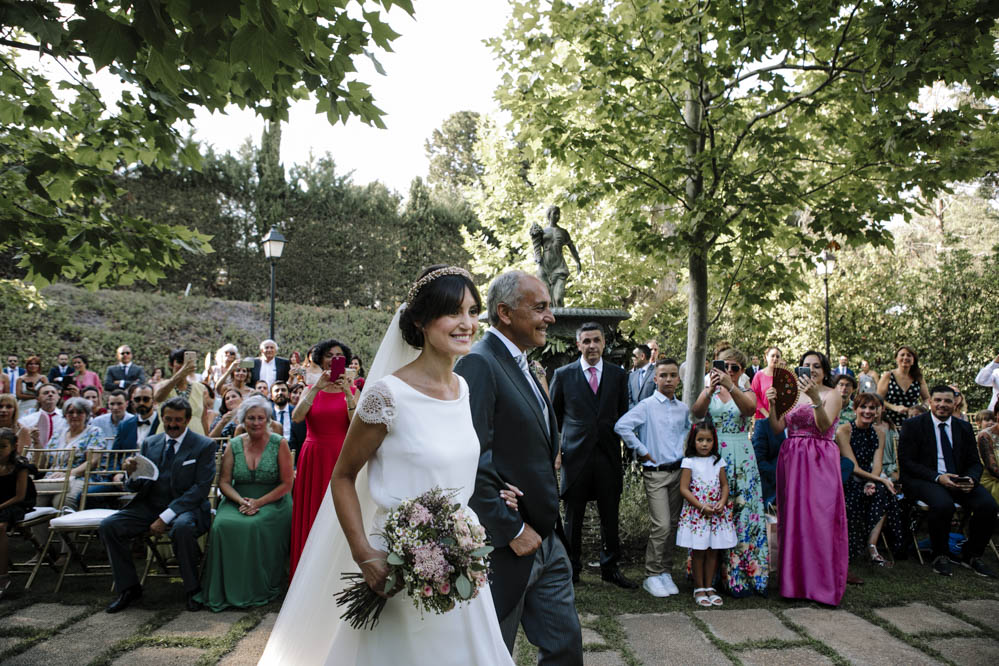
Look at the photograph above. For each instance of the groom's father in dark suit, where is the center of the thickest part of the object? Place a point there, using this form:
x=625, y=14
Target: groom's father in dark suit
x=176, y=502
x=531, y=579
x=589, y=396
x=939, y=462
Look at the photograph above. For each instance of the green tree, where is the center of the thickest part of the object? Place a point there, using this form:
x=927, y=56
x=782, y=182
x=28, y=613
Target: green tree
x=451, y=151
x=743, y=137
x=61, y=143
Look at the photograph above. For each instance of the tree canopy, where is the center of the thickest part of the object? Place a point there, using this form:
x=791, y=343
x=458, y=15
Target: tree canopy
x=61, y=142
x=744, y=137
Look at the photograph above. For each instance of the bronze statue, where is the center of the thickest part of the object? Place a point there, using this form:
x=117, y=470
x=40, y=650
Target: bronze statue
x=548, y=245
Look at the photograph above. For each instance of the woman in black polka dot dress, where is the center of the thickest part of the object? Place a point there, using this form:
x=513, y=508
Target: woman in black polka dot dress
x=903, y=387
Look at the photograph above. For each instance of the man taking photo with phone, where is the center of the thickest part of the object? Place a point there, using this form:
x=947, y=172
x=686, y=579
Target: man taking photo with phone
x=182, y=383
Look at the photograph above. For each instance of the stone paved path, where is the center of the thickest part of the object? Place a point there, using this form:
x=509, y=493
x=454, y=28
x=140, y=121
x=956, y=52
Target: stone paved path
x=918, y=633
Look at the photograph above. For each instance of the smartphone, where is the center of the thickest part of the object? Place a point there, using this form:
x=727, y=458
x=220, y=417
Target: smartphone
x=337, y=365
x=963, y=480
x=718, y=365
x=351, y=374
x=190, y=358
x=246, y=363
x=803, y=372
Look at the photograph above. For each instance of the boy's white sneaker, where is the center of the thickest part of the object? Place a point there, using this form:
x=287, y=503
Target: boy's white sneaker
x=668, y=584
x=654, y=586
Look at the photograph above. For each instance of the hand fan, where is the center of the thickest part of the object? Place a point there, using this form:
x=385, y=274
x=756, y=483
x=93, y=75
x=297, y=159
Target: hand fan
x=786, y=385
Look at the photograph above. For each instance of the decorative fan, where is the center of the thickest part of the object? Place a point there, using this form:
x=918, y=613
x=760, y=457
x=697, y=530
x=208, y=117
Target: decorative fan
x=786, y=385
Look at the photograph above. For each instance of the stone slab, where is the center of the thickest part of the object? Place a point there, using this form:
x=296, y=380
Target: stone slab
x=156, y=656
x=982, y=610
x=607, y=658
x=251, y=646
x=40, y=616
x=738, y=626
x=7, y=642
x=969, y=651
x=590, y=637
x=784, y=657
x=918, y=618
x=81, y=642
x=855, y=639
x=587, y=618
x=200, y=625
x=685, y=643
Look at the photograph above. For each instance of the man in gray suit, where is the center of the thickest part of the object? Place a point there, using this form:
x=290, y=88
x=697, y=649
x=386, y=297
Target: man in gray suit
x=531, y=578
x=176, y=502
x=641, y=379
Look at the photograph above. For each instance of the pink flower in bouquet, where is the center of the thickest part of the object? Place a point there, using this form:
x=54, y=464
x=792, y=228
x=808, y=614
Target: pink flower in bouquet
x=444, y=588
x=429, y=562
x=419, y=515
x=428, y=591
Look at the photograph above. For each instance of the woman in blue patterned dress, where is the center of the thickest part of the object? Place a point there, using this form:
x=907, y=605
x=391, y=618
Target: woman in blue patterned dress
x=745, y=570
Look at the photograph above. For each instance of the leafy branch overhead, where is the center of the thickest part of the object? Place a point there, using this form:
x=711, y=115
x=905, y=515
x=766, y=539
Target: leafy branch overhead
x=61, y=141
x=760, y=131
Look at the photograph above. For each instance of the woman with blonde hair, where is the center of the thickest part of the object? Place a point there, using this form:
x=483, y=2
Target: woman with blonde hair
x=8, y=419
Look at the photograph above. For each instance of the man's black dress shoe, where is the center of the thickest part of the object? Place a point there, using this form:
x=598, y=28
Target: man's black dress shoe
x=193, y=604
x=124, y=599
x=615, y=576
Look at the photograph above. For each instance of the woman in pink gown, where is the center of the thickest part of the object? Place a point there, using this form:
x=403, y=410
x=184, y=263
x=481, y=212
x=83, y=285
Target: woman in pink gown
x=326, y=408
x=811, y=512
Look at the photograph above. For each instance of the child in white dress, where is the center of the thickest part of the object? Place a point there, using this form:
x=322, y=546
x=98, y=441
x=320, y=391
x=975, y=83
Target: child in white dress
x=706, y=524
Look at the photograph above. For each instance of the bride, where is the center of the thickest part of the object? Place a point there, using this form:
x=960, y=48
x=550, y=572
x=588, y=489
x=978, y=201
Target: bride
x=413, y=431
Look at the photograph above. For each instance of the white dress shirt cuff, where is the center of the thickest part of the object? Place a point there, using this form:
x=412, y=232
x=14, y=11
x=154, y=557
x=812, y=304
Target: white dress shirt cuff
x=168, y=515
x=521, y=530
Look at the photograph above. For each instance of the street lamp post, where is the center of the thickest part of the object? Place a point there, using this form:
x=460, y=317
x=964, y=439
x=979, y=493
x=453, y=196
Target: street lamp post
x=273, y=244
x=825, y=264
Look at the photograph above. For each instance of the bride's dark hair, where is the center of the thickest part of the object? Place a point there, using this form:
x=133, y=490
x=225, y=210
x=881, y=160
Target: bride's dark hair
x=441, y=296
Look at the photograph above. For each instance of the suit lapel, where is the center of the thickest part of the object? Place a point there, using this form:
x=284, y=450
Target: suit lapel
x=515, y=375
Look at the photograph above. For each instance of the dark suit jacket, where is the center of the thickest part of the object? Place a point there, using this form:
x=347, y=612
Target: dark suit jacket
x=638, y=393
x=587, y=420
x=282, y=367
x=515, y=447
x=115, y=374
x=191, y=474
x=848, y=372
x=127, y=437
x=57, y=377
x=917, y=449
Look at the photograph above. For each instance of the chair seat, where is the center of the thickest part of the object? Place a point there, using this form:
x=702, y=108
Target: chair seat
x=81, y=520
x=38, y=512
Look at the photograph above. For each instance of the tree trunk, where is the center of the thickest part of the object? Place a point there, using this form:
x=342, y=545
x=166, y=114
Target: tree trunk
x=697, y=260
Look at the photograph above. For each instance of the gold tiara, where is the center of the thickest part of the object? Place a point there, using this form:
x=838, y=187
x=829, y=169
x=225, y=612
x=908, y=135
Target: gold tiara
x=433, y=275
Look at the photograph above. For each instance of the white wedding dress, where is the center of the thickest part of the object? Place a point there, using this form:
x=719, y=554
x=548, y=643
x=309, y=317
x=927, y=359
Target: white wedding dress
x=430, y=442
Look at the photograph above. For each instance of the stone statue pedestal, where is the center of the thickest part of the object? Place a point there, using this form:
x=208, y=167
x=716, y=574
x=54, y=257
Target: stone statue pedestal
x=567, y=320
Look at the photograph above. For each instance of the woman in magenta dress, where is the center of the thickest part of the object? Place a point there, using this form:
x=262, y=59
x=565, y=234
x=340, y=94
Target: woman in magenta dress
x=811, y=512
x=326, y=407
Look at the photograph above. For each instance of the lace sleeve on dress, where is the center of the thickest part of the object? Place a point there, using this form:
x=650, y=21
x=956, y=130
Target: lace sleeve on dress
x=377, y=405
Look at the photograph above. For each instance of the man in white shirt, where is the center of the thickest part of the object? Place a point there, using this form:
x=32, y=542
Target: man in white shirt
x=843, y=368
x=269, y=366
x=48, y=399
x=989, y=377
x=125, y=373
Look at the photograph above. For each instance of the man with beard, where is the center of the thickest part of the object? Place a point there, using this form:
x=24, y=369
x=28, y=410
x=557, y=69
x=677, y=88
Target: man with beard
x=132, y=432
x=281, y=408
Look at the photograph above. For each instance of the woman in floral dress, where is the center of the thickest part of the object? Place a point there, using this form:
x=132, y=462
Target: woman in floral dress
x=745, y=570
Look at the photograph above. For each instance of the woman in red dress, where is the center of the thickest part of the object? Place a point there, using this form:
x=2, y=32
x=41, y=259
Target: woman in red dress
x=326, y=407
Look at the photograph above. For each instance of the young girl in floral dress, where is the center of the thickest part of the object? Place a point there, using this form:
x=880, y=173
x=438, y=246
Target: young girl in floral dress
x=706, y=524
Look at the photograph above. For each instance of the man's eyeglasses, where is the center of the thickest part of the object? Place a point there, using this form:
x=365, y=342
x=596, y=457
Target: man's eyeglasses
x=143, y=398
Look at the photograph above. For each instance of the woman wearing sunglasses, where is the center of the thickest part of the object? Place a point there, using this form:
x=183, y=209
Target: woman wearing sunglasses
x=731, y=408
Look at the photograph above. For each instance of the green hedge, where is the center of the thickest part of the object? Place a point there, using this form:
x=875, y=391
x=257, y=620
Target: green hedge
x=95, y=323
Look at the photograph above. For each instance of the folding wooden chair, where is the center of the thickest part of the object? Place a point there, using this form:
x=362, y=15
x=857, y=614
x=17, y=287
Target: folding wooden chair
x=920, y=508
x=50, y=502
x=78, y=530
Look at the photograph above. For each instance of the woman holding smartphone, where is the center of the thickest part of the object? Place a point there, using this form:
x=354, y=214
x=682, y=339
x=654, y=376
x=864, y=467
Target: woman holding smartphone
x=326, y=407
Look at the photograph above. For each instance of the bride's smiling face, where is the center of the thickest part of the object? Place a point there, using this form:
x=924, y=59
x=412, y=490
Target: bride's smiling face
x=452, y=333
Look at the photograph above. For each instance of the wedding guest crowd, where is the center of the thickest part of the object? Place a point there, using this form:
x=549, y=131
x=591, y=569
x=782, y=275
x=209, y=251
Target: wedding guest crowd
x=827, y=476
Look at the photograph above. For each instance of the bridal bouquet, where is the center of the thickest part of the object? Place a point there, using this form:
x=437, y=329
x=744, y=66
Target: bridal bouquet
x=436, y=551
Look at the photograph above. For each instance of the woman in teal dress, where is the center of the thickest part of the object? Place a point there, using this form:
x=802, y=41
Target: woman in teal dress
x=250, y=538
x=745, y=570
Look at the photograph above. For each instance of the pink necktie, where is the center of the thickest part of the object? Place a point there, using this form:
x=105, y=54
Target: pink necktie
x=593, y=379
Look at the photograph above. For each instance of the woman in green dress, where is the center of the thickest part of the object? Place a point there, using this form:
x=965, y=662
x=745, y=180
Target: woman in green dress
x=746, y=569
x=250, y=537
